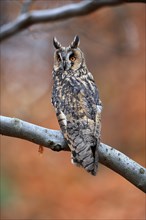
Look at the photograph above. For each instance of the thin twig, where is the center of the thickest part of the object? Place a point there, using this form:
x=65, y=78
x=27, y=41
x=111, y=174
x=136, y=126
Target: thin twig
x=110, y=157
x=67, y=11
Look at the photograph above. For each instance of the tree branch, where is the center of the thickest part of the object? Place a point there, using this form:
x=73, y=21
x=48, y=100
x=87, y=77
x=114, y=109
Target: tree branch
x=54, y=140
x=68, y=11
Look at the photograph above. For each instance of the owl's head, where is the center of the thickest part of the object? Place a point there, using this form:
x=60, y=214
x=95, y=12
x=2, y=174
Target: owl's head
x=68, y=58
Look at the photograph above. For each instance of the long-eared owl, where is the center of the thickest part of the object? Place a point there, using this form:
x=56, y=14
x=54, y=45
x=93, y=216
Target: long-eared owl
x=77, y=105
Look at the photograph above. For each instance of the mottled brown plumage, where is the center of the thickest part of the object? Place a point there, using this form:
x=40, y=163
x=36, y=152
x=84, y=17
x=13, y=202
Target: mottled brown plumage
x=77, y=104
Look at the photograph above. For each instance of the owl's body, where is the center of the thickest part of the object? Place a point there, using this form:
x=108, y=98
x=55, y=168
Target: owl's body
x=77, y=105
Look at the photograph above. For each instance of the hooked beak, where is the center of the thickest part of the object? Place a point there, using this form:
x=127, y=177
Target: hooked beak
x=64, y=65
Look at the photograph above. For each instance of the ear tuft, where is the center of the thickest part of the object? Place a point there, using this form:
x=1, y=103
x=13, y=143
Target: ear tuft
x=75, y=42
x=56, y=43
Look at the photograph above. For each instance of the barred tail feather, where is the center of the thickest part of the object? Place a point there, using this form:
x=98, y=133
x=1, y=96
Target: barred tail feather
x=88, y=159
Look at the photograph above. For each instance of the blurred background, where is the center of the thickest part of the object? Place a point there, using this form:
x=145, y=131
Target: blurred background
x=48, y=186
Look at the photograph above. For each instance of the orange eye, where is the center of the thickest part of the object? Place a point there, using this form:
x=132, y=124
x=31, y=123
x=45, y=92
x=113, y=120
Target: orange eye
x=72, y=58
